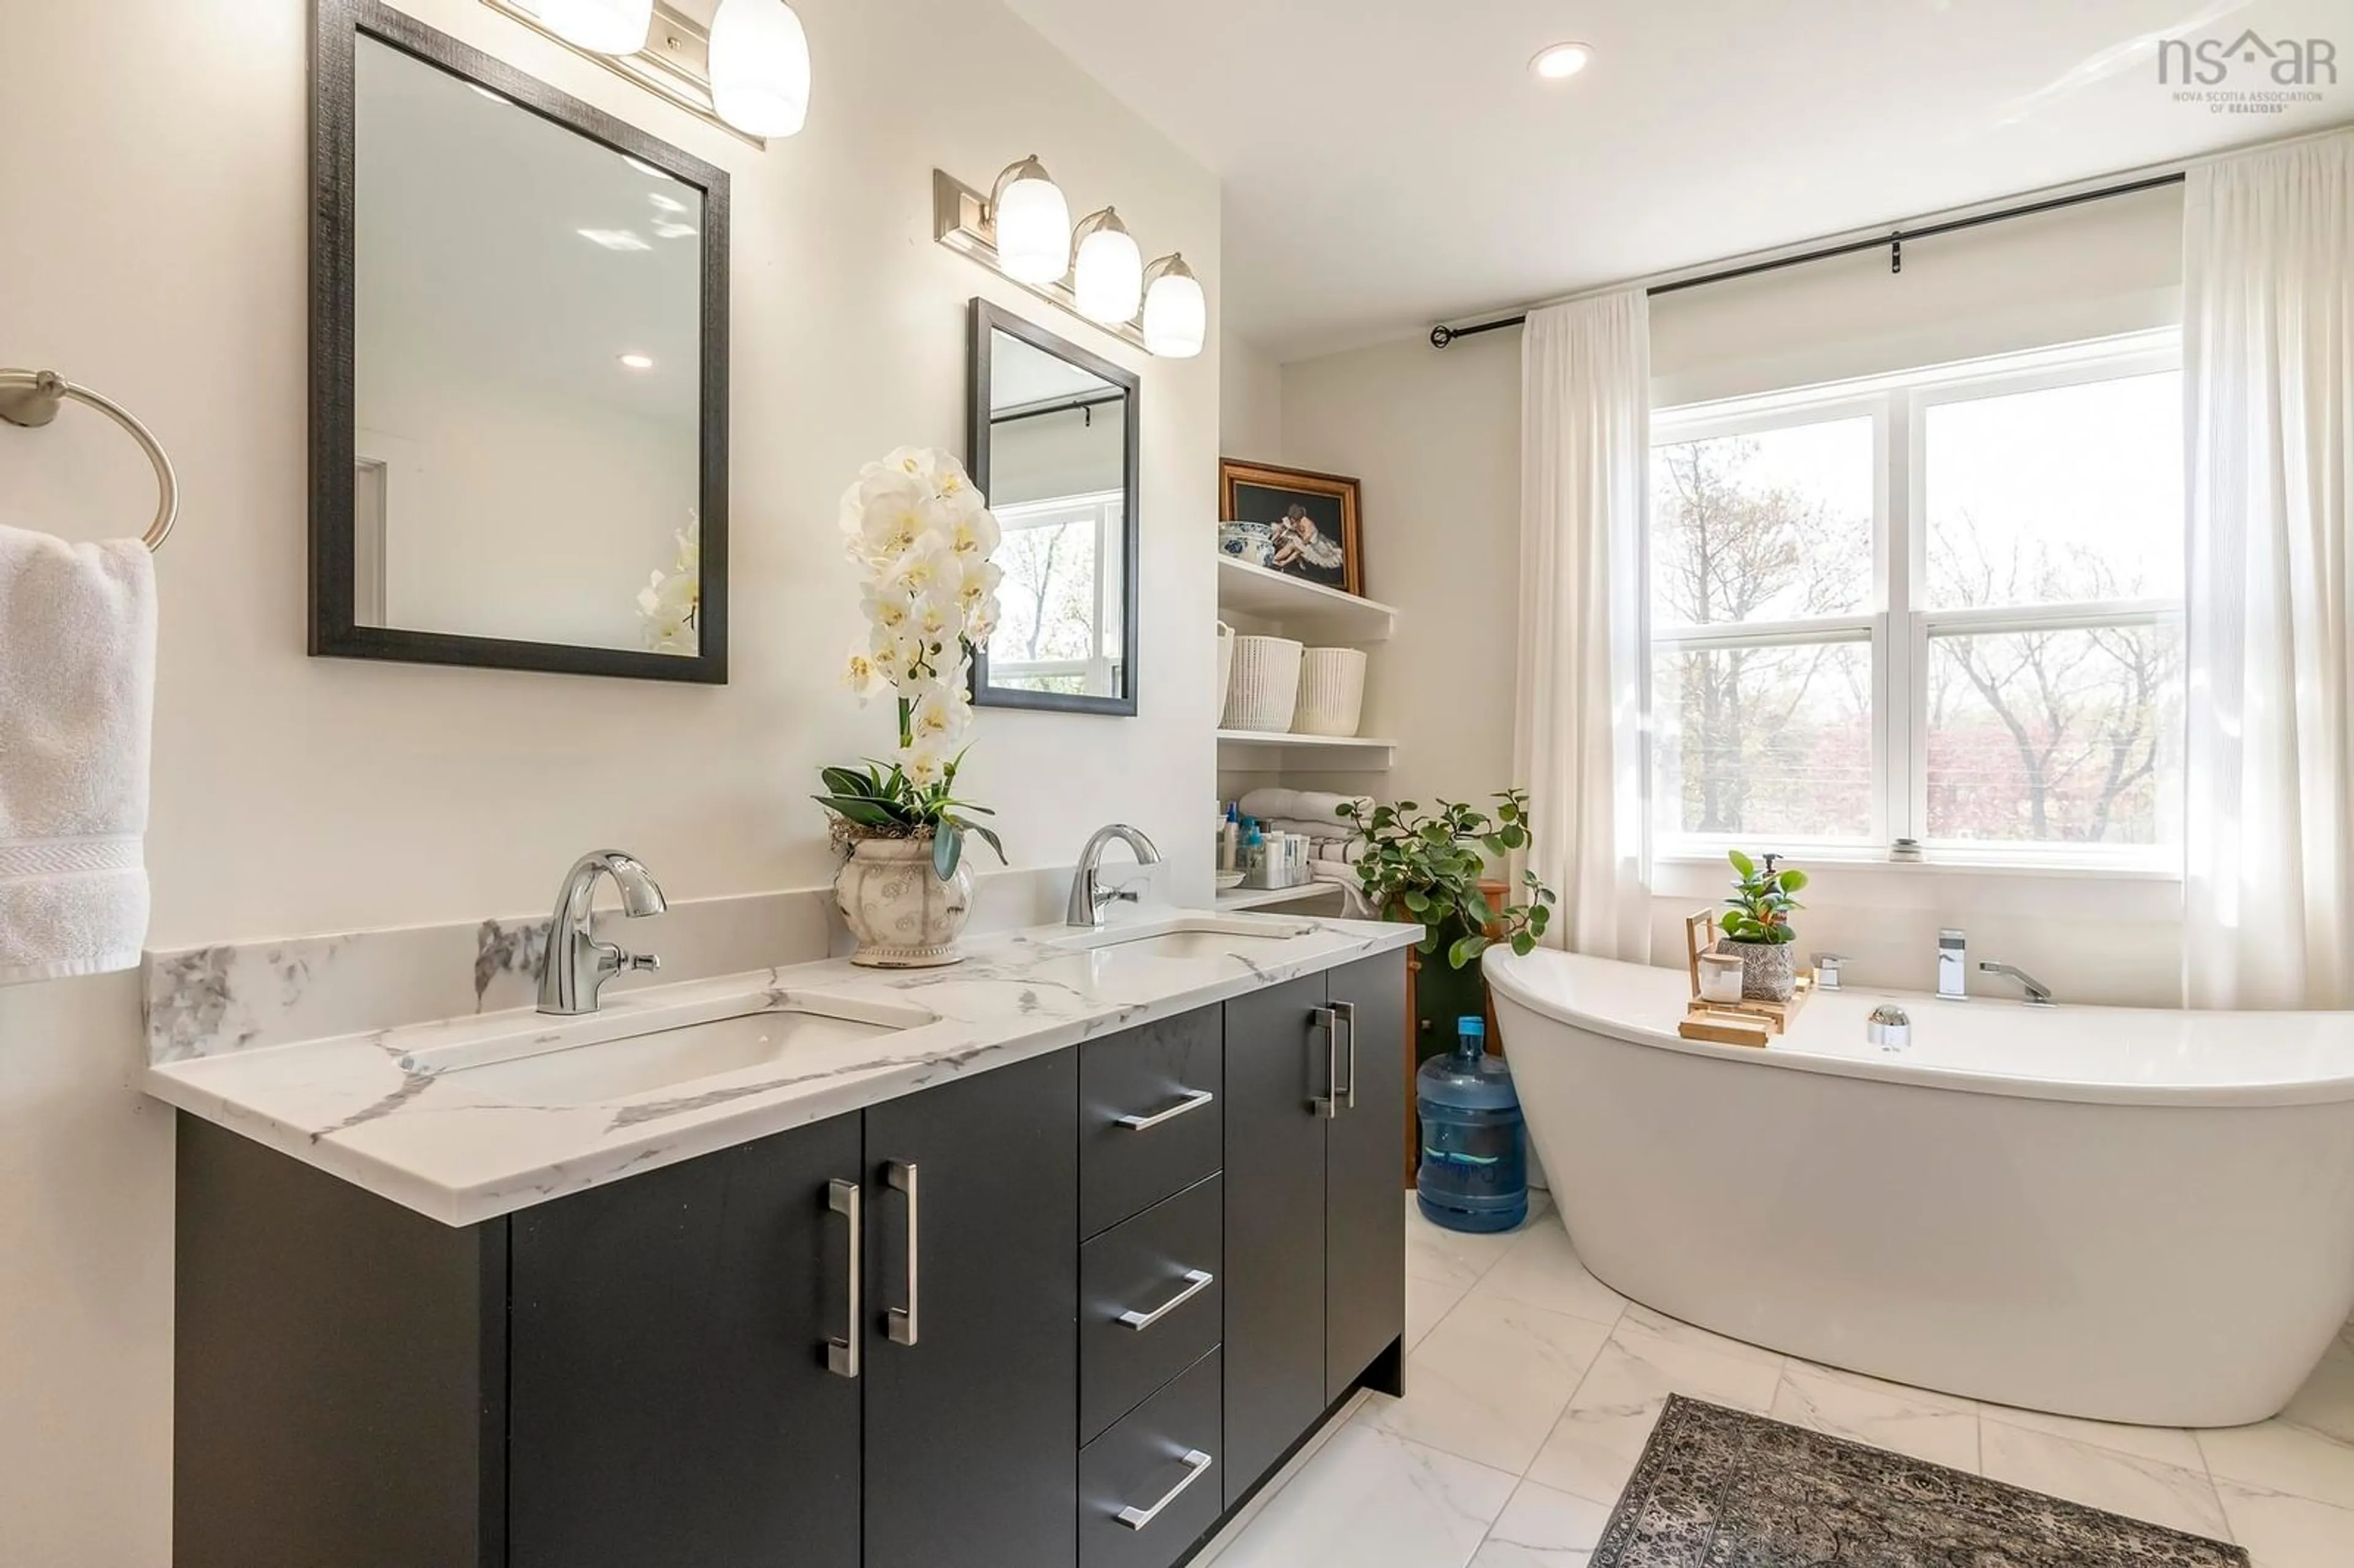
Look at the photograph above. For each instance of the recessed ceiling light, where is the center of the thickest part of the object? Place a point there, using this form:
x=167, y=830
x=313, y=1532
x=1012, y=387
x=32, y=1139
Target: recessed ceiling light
x=615, y=239
x=1557, y=62
x=638, y=361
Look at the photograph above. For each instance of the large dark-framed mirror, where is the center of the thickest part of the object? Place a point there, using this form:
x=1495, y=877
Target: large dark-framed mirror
x=518, y=369
x=1053, y=441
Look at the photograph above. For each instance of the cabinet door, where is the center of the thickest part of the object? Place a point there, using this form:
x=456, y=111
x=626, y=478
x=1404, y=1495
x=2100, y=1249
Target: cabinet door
x=973, y=1353
x=1365, y=1201
x=669, y=1397
x=1276, y=1065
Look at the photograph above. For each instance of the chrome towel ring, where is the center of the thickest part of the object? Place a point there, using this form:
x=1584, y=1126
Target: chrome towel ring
x=31, y=399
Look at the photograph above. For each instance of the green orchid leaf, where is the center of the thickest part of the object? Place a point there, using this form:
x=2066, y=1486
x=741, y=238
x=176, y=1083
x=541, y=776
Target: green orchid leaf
x=948, y=848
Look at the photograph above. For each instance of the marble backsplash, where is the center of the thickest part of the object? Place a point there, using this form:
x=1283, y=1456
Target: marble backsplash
x=205, y=1002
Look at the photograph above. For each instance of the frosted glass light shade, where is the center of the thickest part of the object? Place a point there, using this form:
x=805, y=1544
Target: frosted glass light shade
x=608, y=26
x=759, y=67
x=1176, y=314
x=1034, y=229
x=1109, y=275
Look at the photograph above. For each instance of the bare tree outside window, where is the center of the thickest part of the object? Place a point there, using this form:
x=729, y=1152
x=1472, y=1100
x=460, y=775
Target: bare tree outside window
x=2017, y=680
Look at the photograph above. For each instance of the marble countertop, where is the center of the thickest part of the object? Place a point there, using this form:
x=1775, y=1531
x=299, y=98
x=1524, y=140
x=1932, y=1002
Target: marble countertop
x=395, y=1112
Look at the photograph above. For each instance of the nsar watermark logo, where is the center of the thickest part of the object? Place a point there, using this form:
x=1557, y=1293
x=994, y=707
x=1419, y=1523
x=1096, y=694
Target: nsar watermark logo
x=2249, y=74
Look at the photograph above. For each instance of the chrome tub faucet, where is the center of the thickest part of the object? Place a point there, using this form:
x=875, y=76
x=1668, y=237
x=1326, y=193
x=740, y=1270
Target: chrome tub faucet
x=2038, y=993
x=578, y=964
x=1089, y=898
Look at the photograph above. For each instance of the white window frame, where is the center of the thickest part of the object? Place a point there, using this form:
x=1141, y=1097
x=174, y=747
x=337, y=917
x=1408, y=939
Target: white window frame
x=1896, y=621
x=1106, y=510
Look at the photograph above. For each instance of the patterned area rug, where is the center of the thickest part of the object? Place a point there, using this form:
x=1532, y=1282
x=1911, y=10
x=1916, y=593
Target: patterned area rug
x=1717, y=1488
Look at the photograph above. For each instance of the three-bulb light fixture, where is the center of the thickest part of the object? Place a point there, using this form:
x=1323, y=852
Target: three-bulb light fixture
x=1108, y=281
x=760, y=56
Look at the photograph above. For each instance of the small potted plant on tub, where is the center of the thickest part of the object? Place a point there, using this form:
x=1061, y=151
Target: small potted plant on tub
x=1758, y=926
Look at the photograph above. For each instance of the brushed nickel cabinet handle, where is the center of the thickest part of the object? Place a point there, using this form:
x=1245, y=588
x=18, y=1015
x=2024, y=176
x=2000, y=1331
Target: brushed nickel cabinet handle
x=1197, y=1465
x=901, y=1323
x=1189, y=1100
x=842, y=1354
x=1196, y=1281
x=1328, y=1104
x=1346, y=1012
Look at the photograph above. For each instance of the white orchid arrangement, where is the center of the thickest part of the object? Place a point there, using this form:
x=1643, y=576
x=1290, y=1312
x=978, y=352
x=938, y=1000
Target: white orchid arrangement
x=671, y=603
x=921, y=537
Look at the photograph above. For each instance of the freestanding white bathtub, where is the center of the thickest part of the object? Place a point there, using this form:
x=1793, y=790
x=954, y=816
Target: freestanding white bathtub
x=2129, y=1216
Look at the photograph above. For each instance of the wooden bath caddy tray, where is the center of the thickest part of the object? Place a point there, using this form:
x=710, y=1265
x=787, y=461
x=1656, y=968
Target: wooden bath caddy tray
x=1743, y=1023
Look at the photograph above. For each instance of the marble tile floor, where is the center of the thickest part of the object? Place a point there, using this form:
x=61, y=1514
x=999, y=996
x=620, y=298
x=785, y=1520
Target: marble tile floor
x=1533, y=1386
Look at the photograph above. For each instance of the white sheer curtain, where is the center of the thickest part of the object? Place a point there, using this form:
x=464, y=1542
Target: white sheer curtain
x=2268, y=363
x=1585, y=423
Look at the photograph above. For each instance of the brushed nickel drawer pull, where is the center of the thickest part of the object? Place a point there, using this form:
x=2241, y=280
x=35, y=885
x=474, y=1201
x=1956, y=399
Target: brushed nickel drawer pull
x=842, y=1354
x=901, y=1322
x=1197, y=1465
x=1191, y=1100
x=1196, y=1281
x=1328, y=1104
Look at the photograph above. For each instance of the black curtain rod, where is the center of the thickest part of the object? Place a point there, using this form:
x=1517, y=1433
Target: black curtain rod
x=1071, y=407
x=1440, y=336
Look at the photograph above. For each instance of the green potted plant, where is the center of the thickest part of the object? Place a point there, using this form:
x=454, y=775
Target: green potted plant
x=1757, y=925
x=1429, y=868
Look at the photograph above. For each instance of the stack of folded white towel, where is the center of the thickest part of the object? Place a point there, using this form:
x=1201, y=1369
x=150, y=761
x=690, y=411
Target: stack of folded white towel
x=1316, y=816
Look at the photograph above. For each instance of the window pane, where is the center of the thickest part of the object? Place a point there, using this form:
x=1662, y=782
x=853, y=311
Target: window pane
x=1763, y=740
x=2066, y=494
x=1774, y=525
x=2056, y=736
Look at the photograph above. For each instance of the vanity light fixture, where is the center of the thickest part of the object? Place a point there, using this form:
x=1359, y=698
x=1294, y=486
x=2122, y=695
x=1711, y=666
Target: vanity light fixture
x=759, y=67
x=1033, y=223
x=1559, y=62
x=1100, y=278
x=1107, y=269
x=608, y=26
x=636, y=361
x=756, y=45
x=1176, y=314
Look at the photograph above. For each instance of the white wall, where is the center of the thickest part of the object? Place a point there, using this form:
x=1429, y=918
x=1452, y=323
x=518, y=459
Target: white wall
x=153, y=154
x=1250, y=401
x=1434, y=434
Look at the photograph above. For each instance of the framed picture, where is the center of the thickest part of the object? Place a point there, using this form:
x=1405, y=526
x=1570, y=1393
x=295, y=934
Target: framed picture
x=1291, y=521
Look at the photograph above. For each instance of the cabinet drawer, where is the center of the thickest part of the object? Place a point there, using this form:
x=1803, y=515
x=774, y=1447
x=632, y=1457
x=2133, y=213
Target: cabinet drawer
x=1150, y=1304
x=1146, y=1494
x=1151, y=1120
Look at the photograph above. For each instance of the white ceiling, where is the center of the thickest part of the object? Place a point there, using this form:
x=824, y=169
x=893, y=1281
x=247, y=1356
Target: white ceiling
x=1393, y=163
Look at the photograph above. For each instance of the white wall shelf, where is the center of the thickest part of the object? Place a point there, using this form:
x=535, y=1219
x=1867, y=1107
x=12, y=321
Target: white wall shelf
x=1310, y=611
x=1265, y=751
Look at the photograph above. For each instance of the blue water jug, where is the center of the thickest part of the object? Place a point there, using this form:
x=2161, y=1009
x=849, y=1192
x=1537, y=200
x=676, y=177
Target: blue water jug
x=1475, y=1164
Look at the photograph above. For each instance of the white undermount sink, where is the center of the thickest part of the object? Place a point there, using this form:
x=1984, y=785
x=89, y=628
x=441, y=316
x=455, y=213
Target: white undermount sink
x=1190, y=937
x=552, y=1067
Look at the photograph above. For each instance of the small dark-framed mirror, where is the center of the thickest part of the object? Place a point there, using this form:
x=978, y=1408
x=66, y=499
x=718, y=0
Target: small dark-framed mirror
x=1054, y=442
x=518, y=369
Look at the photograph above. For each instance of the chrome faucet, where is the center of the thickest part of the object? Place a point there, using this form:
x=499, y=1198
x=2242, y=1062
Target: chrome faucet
x=578, y=964
x=1089, y=899
x=2038, y=993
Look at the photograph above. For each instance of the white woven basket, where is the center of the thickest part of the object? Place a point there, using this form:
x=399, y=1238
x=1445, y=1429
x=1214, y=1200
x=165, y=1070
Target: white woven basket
x=1225, y=664
x=1332, y=692
x=1265, y=687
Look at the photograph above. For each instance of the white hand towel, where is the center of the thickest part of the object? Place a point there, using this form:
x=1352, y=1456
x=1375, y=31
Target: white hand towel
x=1301, y=805
x=77, y=701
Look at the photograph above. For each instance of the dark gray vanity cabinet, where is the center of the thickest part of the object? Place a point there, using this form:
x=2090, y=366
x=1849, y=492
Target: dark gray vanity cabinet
x=1064, y=1313
x=1315, y=1232
x=665, y=1399
x=972, y=1369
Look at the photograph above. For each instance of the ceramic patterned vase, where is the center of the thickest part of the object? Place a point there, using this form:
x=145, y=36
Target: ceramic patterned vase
x=903, y=916
x=1766, y=974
